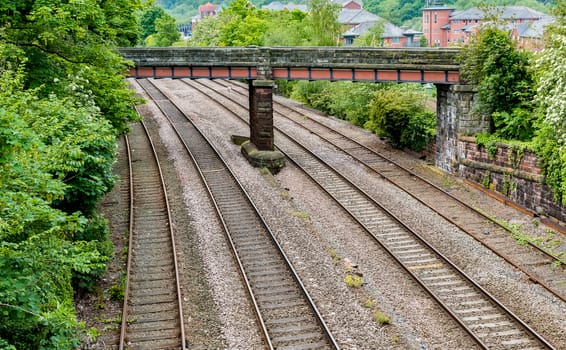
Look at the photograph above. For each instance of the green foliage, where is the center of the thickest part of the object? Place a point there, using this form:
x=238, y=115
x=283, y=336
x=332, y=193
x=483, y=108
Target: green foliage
x=353, y=281
x=314, y=94
x=241, y=24
x=36, y=304
x=552, y=158
x=398, y=112
x=324, y=22
x=79, y=147
x=61, y=40
x=286, y=28
x=63, y=102
x=397, y=12
x=501, y=72
x=166, y=31
x=401, y=115
x=550, y=140
x=489, y=142
x=148, y=19
x=372, y=37
x=551, y=72
x=206, y=33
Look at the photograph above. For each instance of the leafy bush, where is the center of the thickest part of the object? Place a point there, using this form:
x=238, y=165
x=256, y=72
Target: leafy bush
x=395, y=111
x=401, y=115
x=504, y=80
x=63, y=101
x=315, y=94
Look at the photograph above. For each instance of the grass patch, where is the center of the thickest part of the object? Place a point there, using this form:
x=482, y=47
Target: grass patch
x=369, y=303
x=336, y=258
x=523, y=238
x=353, y=281
x=300, y=214
x=381, y=317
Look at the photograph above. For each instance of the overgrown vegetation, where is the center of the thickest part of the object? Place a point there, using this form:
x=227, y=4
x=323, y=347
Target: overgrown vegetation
x=398, y=112
x=63, y=102
x=240, y=24
x=524, y=94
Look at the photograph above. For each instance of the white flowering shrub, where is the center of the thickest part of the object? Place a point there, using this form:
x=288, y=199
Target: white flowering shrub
x=551, y=91
x=550, y=143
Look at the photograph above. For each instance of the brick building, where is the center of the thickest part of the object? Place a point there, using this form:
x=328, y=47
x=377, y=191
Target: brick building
x=443, y=26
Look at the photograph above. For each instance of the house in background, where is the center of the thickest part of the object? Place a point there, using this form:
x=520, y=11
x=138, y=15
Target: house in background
x=444, y=26
x=278, y=6
x=393, y=36
x=360, y=21
x=208, y=10
x=356, y=21
x=349, y=4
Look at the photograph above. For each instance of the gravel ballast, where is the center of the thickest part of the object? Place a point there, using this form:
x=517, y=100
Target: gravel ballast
x=324, y=245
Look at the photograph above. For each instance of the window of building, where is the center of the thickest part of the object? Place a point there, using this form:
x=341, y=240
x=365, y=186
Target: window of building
x=435, y=17
x=395, y=40
x=456, y=21
x=456, y=31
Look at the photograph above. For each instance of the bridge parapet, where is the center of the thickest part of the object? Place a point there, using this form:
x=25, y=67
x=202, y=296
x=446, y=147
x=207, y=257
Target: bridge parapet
x=297, y=63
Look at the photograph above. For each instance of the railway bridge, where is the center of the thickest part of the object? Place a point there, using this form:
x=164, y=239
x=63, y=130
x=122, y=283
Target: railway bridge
x=261, y=66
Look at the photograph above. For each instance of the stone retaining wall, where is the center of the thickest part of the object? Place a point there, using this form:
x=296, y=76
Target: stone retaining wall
x=511, y=174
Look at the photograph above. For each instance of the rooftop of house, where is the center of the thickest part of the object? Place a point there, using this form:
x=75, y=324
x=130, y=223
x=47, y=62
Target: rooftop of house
x=389, y=29
x=278, y=6
x=344, y=2
x=208, y=7
x=347, y=16
x=505, y=12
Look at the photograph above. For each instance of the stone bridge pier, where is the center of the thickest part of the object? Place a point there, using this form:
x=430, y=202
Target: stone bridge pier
x=260, y=150
x=454, y=117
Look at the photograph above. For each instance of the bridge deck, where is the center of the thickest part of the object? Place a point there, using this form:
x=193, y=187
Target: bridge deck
x=297, y=63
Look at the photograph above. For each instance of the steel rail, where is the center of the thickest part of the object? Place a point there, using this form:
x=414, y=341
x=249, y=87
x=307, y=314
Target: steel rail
x=327, y=334
x=387, y=178
x=124, y=324
x=510, y=314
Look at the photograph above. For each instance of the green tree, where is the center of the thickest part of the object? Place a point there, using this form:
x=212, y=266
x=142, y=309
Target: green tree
x=400, y=114
x=551, y=73
x=324, y=23
x=148, y=18
x=550, y=140
x=64, y=39
x=63, y=102
x=286, y=28
x=167, y=32
x=206, y=32
x=39, y=249
x=501, y=72
x=242, y=25
x=372, y=37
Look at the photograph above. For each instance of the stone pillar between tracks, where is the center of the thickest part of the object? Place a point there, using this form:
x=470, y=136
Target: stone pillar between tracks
x=260, y=149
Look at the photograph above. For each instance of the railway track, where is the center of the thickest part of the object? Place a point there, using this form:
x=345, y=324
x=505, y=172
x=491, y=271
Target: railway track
x=152, y=316
x=287, y=316
x=542, y=269
x=489, y=323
